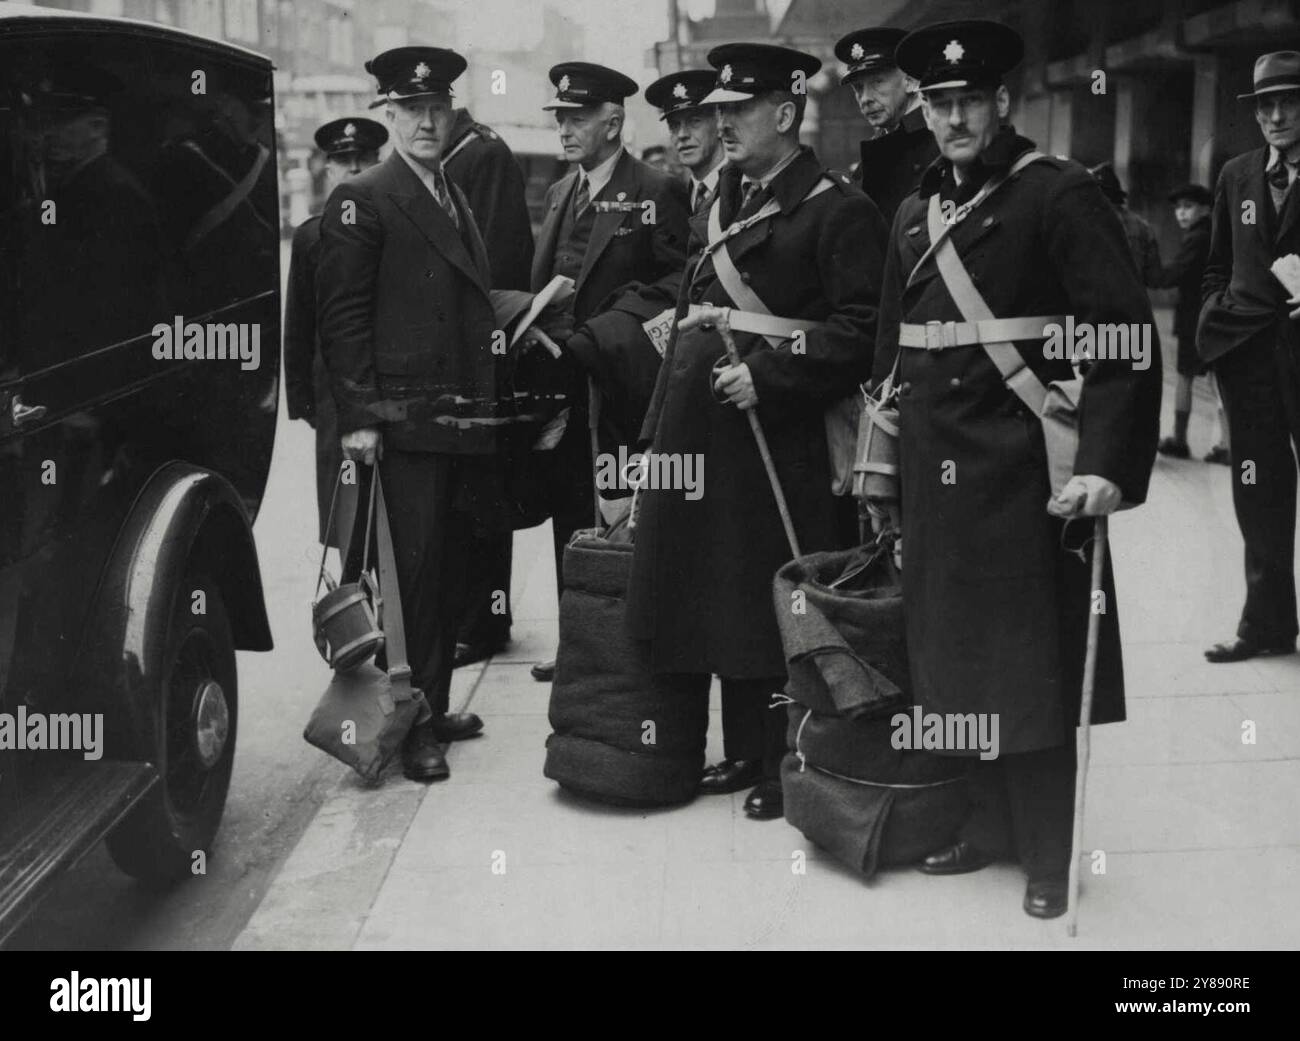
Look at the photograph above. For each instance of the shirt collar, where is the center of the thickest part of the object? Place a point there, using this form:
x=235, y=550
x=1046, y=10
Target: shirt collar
x=599, y=176
x=710, y=180
x=427, y=177
x=1006, y=147
x=1275, y=157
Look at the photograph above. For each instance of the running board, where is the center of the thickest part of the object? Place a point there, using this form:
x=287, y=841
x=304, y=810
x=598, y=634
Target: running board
x=69, y=808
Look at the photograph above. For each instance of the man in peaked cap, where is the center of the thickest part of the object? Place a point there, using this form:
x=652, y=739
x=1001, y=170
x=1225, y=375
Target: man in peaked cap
x=810, y=246
x=693, y=127
x=406, y=324
x=618, y=228
x=483, y=167
x=1248, y=333
x=351, y=145
x=894, y=159
x=997, y=590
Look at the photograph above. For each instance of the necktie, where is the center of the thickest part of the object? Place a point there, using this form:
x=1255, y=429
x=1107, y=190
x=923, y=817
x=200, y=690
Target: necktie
x=581, y=198
x=443, y=195
x=700, y=191
x=752, y=191
x=1278, y=176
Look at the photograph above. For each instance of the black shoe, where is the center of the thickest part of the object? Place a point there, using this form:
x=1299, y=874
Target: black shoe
x=766, y=802
x=1239, y=650
x=422, y=756
x=730, y=775
x=1047, y=898
x=957, y=859
x=1172, y=446
x=544, y=671
x=455, y=726
x=1218, y=454
x=469, y=653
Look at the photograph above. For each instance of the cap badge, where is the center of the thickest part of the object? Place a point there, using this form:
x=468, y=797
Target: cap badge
x=856, y=52
x=725, y=75
x=954, y=52
x=564, y=83
x=679, y=91
x=422, y=72
x=350, y=130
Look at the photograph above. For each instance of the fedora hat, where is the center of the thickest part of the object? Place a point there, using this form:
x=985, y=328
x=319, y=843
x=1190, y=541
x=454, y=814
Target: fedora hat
x=1273, y=72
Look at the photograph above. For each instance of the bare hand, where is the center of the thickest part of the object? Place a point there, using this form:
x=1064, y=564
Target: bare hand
x=366, y=444
x=737, y=384
x=1086, y=495
x=1296, y=312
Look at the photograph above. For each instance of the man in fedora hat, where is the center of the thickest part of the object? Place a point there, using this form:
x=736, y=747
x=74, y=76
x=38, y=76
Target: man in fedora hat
x=810, y=246
x=407, y=329
x=1251, y=341
x=351, y=145
x=902, y=146
x=996, y=589
x=618, y=227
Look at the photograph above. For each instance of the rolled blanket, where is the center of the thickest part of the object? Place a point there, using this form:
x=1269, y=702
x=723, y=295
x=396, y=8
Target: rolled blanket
x=845, y=648
x=620, y=735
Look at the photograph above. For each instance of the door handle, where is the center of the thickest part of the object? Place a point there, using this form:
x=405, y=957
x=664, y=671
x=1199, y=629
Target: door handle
x=21, y=413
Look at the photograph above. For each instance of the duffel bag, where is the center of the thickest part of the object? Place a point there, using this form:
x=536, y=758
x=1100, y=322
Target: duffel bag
x=867, y=803
x=620, y=735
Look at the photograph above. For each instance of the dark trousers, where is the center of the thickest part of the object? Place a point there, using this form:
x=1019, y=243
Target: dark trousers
x=751, y=728
x=573, y=504
x=1023, y=806
x=1260, y=385
x=489, y=585
x=432, y=523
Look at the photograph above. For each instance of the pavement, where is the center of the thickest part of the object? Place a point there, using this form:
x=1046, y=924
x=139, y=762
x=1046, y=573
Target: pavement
x=1191, y=837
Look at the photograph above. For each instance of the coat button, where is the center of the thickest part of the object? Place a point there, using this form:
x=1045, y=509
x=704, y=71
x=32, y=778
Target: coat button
x=988, y=222
x=744, y=277
x=954, y=382
x=429, y=273
x=904, y=389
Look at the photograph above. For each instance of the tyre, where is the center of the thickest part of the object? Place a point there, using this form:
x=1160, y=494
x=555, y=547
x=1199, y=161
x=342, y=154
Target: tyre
x=191, y=719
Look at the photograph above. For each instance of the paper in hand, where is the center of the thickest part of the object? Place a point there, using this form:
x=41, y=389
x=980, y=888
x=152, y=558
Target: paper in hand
x=1287, y=271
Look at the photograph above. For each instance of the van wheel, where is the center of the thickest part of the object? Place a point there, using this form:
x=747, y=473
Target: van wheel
x=191, y=716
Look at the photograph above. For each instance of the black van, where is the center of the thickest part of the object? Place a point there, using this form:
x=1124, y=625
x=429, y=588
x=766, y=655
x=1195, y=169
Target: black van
x=139, y=367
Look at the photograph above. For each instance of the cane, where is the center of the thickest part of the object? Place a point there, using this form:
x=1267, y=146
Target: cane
x=724, y=329
x=1100, y=533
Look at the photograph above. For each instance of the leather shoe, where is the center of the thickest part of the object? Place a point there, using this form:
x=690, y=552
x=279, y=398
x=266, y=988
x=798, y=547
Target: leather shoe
x=455, y=726
x=1240, y=650
x=544, y=671
x=422, y=756
x=957, y=859
x=1047, y=898
x=730, y=775
x=469, y=653
x=766, y=802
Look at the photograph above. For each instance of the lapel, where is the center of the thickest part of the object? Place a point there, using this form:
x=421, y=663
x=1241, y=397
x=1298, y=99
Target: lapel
x=788, y=189
x=414, y=200
x=623, y=182
x=544, y=258
x=1255, y=188
x=1285, y=220
x=476, y=248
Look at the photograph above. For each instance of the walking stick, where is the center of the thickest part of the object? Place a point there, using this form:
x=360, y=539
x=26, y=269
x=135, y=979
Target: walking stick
x=724, y=329
x=1100, y=533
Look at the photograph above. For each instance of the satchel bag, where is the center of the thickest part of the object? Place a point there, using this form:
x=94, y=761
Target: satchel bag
x=841, y=418
x=365, y=714
x=345, y=621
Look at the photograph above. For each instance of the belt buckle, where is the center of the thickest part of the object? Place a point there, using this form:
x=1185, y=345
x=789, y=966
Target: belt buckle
x=934, y=336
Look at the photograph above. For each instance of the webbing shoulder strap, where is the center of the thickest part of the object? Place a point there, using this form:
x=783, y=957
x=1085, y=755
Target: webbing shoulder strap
x=394, y=627
x=725, y=268
x=1018, y=376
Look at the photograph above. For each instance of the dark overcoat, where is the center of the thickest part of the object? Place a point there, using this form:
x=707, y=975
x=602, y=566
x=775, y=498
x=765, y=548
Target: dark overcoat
x=406, y=317
x=892, y=165
x=485, y=169
x=996, y=605
x=1185, y=274
x=306, y=383
x=701, y=583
